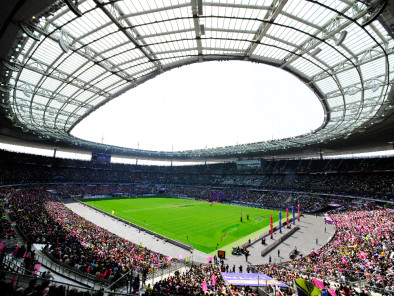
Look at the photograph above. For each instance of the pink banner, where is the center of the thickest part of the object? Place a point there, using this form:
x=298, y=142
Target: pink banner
x=299, y=212
x=37, y=268
x=204, y=287
x=15, y=251
x=209, y=259
x=318, y=283
x=272, y=226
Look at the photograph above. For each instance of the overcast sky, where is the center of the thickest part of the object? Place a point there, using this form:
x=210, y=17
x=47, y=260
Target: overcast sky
x=208, y=104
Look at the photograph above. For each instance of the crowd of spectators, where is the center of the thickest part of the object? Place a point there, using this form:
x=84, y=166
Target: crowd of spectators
x=198, y=280
x=360, y=177
x=362, y=249
x=6, y=230
x=75, y=241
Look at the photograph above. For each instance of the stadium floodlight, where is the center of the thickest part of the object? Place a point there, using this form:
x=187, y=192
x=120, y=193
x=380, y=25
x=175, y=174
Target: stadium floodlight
x=26, y=92
x=11, y=66
x=63, y=41
x=341, y=38
x=25, y=28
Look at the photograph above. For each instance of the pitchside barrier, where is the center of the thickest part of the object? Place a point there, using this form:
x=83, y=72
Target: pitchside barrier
x=157, y=235
x=279, y=241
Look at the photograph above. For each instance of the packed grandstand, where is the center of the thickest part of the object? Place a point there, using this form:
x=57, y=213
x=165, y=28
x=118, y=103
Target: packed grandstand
x=63, y=59
x=358, y=257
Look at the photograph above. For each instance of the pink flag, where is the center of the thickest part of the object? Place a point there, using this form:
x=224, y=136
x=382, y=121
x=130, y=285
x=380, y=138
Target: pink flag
x=37, y=268
x=180, y=256
x=88, y=268
x=74, y=233
x=204, y=287
x=336, y=242
x=318, y=283
x=15, y=251
x=1, y=247
x=213, y=280
x=209, y=259
x=343, y=260
x=105, y=273
x=169, y=258
x=317, y=252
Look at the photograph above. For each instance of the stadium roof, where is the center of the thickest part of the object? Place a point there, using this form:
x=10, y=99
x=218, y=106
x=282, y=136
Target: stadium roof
x=61, y=60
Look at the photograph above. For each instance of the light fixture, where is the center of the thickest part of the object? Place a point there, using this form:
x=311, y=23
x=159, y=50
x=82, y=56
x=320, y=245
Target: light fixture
x=25, y=28
x=11, y=66
x=341, y=38
x=63, y=41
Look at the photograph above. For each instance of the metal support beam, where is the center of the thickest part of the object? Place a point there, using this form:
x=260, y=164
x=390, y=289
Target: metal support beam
x=196, y=22
x=270, y=16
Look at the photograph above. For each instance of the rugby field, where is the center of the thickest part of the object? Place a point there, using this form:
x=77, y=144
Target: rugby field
x=193, y=222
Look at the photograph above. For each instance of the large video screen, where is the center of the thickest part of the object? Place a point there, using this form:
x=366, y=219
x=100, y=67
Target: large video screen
x=101, y=158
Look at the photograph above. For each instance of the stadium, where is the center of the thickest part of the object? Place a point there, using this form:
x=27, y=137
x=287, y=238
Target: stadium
x=288, y=216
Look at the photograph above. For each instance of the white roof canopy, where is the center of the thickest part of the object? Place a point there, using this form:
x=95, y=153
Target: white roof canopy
x=67, y=62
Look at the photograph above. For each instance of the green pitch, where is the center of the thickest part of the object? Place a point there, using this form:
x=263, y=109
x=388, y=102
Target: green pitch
x=193, y=222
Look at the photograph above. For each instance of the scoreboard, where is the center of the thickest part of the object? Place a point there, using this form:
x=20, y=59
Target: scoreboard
x=101, y=158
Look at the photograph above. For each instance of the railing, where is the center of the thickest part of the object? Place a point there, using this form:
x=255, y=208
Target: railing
x=13, y=265
x=22, y=280
x=67, y=271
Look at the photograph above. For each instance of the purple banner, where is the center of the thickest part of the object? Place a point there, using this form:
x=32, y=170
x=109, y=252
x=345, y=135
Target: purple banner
x=250, y=279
